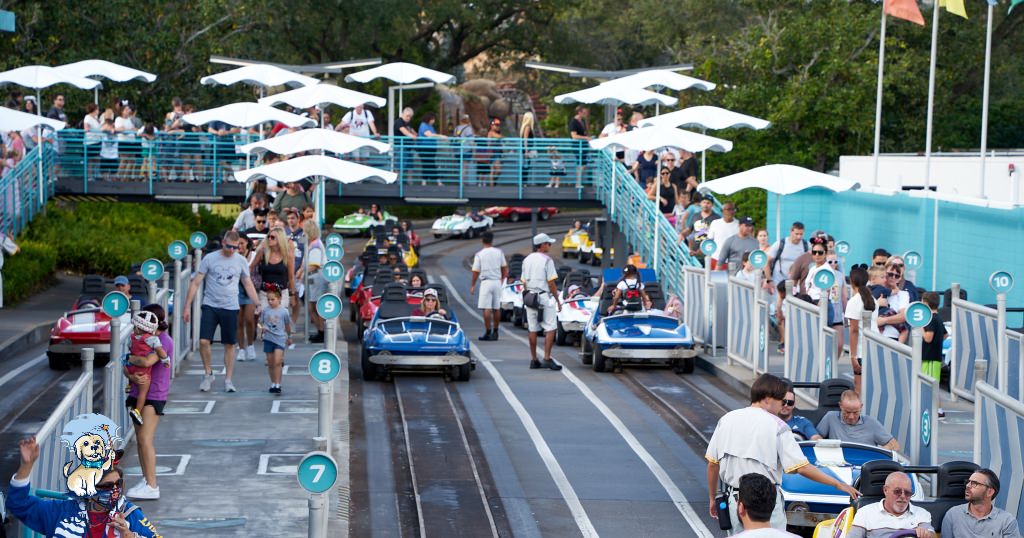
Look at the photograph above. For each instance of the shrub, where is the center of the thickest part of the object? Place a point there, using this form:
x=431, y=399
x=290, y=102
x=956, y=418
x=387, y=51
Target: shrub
x=29, y=271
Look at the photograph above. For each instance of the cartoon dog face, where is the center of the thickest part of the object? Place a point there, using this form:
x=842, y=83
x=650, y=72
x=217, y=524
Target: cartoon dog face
x=90, y=447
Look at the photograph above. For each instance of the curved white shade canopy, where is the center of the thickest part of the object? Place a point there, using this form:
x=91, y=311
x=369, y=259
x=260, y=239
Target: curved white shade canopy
x=105, y=69
x=780, y=179
x=402, y=73
x=653, y=138
x=662, y=78
x=315, y=165
x=41, y=76
x=320, y=94
x=15, y=120
x=707, y=117
x=247, y=115
x=614, y=95
x=314, y=140
x=259, y=75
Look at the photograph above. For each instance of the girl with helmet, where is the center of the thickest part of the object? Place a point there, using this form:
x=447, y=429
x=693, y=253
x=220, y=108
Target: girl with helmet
x=142, y=345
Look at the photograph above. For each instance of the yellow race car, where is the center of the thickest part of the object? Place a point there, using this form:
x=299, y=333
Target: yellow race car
x=572, y=241
x=408, y=253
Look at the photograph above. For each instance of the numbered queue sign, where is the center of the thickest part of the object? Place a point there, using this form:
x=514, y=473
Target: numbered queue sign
x=333, y=271
x=335, y=239
x=115, y=304
x=317, y=472
x=177, y=250
x=824, y=278
x=1001, y=282
x=334, y=253
x=842, y=249
x=197, y=240
x=329, y=306
x=152, y=269
x=324, y=366
x=758, y=259
x=918, y=315
x=708, y=247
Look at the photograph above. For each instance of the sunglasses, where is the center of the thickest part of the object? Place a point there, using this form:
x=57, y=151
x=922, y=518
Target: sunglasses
x=817, y=252
x=272, y=238
x=789, y=403
x=900, y=492
x=664, y=173
x=231, y=247
x=880, y=264
x=897, y=265
x=892, y=275
x=261, y=221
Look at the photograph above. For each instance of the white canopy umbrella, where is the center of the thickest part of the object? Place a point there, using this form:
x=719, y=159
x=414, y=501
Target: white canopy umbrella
x=403, y=73
x=653, y=138
x=247, y=115
x=320, y=94
x=16, y=120
x=315, y=140
x=315, y=165
x=604, y=94
x=706, y=117
x=107, y=70
x=662, y=78
x=781, y=179
x=261, y=75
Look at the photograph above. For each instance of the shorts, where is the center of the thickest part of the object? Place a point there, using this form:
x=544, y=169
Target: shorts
x=226, y=319
x=243, y=298
x=835, y=314
x=270, y=347
x=490, y=294
x=546, y=318
x=157, y=405
x=318, y=286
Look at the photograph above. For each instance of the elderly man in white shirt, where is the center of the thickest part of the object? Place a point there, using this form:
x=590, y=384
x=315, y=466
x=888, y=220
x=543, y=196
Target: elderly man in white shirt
x=893, y=513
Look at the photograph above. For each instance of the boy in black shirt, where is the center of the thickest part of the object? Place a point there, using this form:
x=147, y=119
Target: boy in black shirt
x=933, y=335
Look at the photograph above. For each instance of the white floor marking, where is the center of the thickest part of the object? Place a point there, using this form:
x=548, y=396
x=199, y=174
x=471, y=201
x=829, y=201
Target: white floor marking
x=14, y=373
x=680, y=501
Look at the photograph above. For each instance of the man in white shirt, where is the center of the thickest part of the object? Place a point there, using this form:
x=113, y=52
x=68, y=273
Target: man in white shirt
x=722, y=229
x=360, y=122
x=614, y=127
x=539, y=276
x=754, y=506
x=893, y=513
x=490, y=268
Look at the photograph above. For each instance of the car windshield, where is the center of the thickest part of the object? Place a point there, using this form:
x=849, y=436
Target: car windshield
x=418, y=325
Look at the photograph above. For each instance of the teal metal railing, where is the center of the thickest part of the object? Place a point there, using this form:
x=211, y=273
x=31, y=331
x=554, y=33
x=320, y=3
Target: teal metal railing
x=25, y=189
x=202, y=157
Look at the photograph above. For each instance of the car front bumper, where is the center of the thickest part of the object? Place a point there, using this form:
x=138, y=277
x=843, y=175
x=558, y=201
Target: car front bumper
x=419, y=361
x=650, y=354
x=68, y=348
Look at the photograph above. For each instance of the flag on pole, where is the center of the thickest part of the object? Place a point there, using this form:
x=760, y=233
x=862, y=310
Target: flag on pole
x=906, y=10
x=955, y=7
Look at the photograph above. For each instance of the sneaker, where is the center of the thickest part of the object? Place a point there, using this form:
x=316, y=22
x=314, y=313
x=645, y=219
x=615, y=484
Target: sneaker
x=535, y=364
x=143, y=492
x=782, y=348
x=494, y=334
x=207, y=382
x=486, y=336
x=275, y=390
x=250, y=353
x=317, y=338
x=550, y=364
x=229, y=386
x=136, y=416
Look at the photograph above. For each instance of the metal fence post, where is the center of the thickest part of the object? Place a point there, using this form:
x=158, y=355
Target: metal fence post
x=88, y=359
x=317, y=508
x=165, y=281
x=825, y=366
x=179, y=303
x=914, y=450
x=954, y=289
x=197, y=302
x=325, y=400
x=755, y=324
x=304, y=302
x=787, y=311
x=1002, y=350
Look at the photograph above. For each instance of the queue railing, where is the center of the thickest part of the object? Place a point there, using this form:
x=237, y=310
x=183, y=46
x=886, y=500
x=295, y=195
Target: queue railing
x=748, y=325
x=25, y=189
x=978, y=350
x=998, y=436
x=810, y=342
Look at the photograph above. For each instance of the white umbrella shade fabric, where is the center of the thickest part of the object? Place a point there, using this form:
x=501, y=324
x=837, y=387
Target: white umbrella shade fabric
x=402, y=73
x=315, y=165
x=662, y=78
x=604, y=94
x=247, y=115
x=262, y=75
x=105, y=69
x=40, y=76
x=314, y=140
x=15, y=120
x=663, y=137
x=706, y=117
x=320, y=94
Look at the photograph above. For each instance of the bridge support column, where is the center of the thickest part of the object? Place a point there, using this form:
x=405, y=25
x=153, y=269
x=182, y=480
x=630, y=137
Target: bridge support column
x=533, y=221
x=608, y=230
x=621, y=247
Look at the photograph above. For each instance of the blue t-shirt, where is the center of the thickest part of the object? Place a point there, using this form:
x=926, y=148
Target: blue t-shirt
x=275, y=322
x=803, y=426
x=424, y=129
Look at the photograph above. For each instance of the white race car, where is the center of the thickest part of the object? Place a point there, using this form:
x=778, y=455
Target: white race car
x=511, y=300
x=462, y=224
x=573, y=317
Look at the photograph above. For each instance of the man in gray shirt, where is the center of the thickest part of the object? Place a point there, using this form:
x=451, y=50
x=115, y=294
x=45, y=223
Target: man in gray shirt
x=730, y=257
x=848, y=424
x=978, y=517
x=222, y=272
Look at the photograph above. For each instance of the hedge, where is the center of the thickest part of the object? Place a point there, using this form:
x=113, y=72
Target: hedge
x=29, y=271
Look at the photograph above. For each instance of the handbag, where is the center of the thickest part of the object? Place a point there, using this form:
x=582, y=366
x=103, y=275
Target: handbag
x=532, y=299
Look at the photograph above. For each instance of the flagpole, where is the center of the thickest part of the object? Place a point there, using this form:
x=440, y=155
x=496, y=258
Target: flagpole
x=928, y=142
x=984, y=95
x=878, y=97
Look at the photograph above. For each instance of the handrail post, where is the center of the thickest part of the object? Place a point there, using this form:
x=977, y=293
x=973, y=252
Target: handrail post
x=916, y=339
x=787, y=311
x=304, y=301
x=462, y=166
x=179, y=303
x=88, y=360
x=954, y=289
x=165, y=280
x=824, y=354
x=1002, y=350
x=197, y=303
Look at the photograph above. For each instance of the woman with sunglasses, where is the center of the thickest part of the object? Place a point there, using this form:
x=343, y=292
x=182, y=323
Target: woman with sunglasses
x=107, y=510
x=430, y=306
x=274, y=263
x=666, y=198
x=821, y=260
x=892, y=322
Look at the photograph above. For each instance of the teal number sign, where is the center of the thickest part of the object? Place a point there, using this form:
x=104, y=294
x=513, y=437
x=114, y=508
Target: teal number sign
x=152, y=269
x=1001, y=282
x=708, y=247
x=335, y=239
x=115, y=304
x=758, y=259
x=913, y=260
x=177, y=250
x=324, y=366
x=842, y=249
x=334, y=252
x=926, y=428
x=333, y=271
x=197, y=240
x=824, y=278
x=317, y=472
x=328, y=306
x=918, y=315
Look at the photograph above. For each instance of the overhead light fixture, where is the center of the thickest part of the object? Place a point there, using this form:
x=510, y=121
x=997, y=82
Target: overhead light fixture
x=353, y=63
x=553, y=67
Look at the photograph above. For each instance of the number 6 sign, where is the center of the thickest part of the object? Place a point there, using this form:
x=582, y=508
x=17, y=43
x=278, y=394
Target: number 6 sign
x=317, y=472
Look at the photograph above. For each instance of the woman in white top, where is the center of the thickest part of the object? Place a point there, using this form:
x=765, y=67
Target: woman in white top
x=127, y=147
x=93, y=137
x=860, y=301
x=835, y=295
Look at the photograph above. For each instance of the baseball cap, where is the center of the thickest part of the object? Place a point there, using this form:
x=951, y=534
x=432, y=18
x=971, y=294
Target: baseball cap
x=121, y=280
x=540, y=239
x=430, y=292
x=747, y=220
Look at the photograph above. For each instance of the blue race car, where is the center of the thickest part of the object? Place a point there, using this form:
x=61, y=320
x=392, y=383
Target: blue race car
x=396, y=340
x=637, y=335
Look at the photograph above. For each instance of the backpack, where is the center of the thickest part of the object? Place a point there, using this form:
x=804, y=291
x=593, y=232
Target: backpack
x=632, y=300
x=778, y=254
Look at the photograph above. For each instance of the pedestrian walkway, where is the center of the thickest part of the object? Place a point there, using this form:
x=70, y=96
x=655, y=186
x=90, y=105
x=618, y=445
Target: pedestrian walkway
x=28, y=323
x=226, y=462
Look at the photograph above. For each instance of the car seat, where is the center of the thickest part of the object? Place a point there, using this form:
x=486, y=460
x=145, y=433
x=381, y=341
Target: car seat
x=94, y=285
x=830, y=392
x=656, y=295
x=951, y=485
x=872, y=480
x=946, y=310
x=515, y=269
x=139, y=286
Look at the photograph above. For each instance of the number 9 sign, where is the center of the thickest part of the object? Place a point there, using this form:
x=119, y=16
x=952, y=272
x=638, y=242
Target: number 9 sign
x=152, y=269
x=324, y=366
x=824, y=278
x=317, y=472
x=333, y=271
x=328, y=306
x=918, y=315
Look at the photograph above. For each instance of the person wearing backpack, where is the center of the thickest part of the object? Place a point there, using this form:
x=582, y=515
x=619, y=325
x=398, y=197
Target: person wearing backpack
x=781, y=256
x=630, y=292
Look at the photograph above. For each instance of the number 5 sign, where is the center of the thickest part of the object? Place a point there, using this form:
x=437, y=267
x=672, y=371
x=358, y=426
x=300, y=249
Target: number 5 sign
x=317, y=472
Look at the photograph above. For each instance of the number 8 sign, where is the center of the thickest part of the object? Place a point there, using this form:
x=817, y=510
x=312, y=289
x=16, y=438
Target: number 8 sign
x=324, y=366
x=317, y=472
x=328, y=306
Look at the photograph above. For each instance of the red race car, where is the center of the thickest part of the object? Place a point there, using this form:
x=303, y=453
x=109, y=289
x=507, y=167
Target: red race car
x=514, y=214
x=85, y=325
